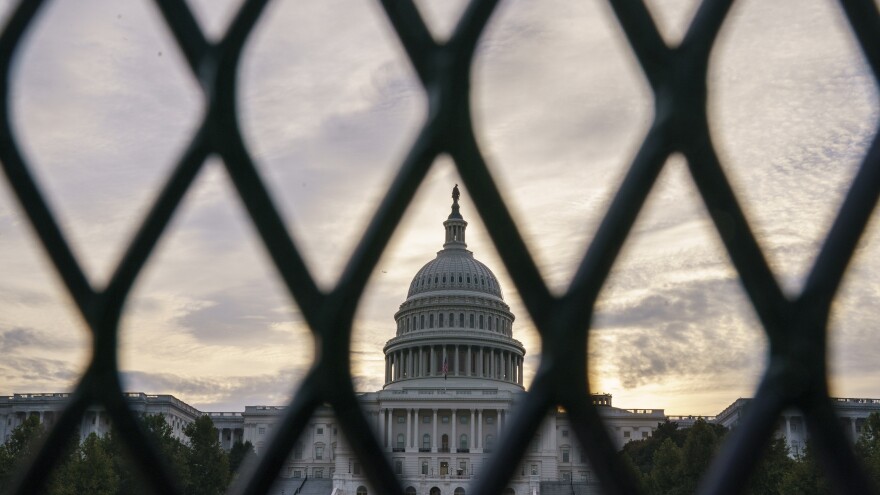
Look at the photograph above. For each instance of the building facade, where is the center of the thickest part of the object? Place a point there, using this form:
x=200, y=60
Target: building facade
x=453, y=376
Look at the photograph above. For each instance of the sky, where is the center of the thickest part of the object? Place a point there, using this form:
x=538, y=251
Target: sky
x=103, y=105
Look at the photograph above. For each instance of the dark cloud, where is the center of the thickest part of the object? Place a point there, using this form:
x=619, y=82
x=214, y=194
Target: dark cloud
x=693, y=329
x=15, y=338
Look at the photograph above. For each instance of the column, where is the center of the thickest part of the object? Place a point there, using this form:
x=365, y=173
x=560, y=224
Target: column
x=470, y=366
x=472, y=444
x=453, y=447
x=520, y=360
x=480, y=427
x=481, y=373
x=509, y=361
x=787, y=429
x=497, y=426
x=434, y=435
x=388, y=433
x=382, y=427
x=445, y=357
x=421, y=361
x=415, y=428
x=491, y=363
x=456, y=361
x=408, y=425
x=433, y=363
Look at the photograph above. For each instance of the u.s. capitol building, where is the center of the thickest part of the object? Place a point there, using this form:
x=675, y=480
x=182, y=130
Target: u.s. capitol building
x=453, y=372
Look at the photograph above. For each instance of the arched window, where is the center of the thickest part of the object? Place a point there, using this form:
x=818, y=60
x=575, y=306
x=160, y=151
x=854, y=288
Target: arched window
x=490, y=440
x=462, y=442
x=440, y=323
x=362, y=490
x=451, y=319
x=434, y=491
x=400, y=440
x=472, y=320
x=431, y=320
x=497, y=326
x=459, y=491
x=481, y=322
x=508, y=491
x=410, y=491
x=426, y=441
x=444, y=443
x=461, y=320
x=421, y=321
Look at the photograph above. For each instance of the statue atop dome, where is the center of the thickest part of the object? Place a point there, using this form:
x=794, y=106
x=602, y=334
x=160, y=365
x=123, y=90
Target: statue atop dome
x=455, y=194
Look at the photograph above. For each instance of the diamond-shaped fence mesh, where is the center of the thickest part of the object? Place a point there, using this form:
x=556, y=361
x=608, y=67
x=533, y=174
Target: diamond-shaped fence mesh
x=795, y=326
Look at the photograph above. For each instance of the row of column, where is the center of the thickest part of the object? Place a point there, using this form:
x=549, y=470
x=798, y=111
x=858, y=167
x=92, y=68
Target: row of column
x=478, y=361
x=412, y=433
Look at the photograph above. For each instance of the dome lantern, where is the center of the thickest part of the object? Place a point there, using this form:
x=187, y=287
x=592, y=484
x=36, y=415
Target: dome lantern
x=455, y=225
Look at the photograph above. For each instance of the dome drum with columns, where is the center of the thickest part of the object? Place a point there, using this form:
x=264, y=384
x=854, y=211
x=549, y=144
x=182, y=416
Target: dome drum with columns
x=454, y=323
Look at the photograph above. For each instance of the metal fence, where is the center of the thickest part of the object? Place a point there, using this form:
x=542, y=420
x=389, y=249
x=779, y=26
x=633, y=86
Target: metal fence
x=795, y=327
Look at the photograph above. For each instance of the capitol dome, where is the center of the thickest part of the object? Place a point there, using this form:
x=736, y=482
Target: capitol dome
x=454, y=326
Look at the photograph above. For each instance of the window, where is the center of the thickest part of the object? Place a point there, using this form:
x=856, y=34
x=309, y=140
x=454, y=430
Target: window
x=410, y=490
x=298, y=451
x=356, y=468
x=462, y=442
x=431, y=320
x=490, y=420
x=566, y=455
x=451, y=319
x=440, y=322
x=297, y=473
x=564, y=433
x=361, y=490
x=534, y=470
x=462, y=467
x=459, y=491
x=318, y=472
x=401, y=420
x=461, y=320
x=319, y=452
x=645, y=434
x=426, y=441
x=426, y=419
x=472, y=320
x=463, y=420
x=320, y=431
x=626, y=434
x=489, y=441
x=400, y=440
x=481, y=322
x=398, y=466
x=424, y=466
x=261, y=430
x=422, y=321
x=566, y=475
x=444, y=419
x=536, y=443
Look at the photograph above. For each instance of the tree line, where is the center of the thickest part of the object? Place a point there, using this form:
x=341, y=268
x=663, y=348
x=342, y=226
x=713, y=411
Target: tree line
x=673, y=460
x=99, y=465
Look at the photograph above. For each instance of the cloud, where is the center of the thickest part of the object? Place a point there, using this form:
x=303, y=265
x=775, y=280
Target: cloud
x=218, y=392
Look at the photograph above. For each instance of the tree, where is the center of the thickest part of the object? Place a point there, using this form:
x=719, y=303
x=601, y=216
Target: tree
x=207, y=462
x=89, y=468
x=238, y=454
x=697, y=452
x=868, y=447
x=806, y=477
x=19, y=448
x=769, y=475
x=666, y=469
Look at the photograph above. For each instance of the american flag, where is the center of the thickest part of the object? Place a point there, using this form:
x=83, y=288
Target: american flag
x=445, y=367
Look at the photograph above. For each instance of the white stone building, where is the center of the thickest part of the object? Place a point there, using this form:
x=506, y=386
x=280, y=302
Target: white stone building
x=453, y=373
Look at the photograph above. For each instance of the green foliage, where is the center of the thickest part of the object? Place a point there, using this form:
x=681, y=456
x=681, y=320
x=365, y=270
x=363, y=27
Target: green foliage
x=19, y=448
x=806, y=477
x=208, y=464
x=868, y=447
x=238, y=454
x=770, y=473
x=667, y=468
x=699, y=448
